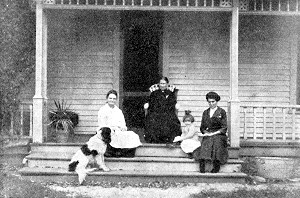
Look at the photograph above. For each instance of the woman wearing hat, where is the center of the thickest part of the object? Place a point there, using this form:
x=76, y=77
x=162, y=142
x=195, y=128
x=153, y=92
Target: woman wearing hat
x=213, y=128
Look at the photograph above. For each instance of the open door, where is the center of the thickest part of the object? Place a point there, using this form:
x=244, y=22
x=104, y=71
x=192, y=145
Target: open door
x=142, y=64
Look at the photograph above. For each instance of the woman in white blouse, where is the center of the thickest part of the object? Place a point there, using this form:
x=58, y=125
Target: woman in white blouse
x=123, y=143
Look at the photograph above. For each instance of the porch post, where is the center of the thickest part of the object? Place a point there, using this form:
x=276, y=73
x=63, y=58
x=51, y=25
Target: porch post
x=234, y=103
x=40, y=97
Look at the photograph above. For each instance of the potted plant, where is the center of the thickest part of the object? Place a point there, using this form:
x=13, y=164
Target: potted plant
x=63, y=121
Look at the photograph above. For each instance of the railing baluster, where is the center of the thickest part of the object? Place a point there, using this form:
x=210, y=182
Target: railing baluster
x=178, y=2
x=262, y=5
x=159, y=2
x=294, y=124
x=12, y=123
x=187, y=3
x=123, y=2
x=70, y=1
x=254, y=123
x=196, y=4
x=132, y=2
x=212, y=3
x=21, y=119
x=284, y=122
x=204, y=3
x=264, y=123
x=274, y=123
x=96, y=2
x=279, y=5
x=254, y=5
x=77, y=2
x=105, y=2
x=30, y=119
x=270, y=8
x=151, y=2
x=288, y=5
x=245, y=121
x=169, y=3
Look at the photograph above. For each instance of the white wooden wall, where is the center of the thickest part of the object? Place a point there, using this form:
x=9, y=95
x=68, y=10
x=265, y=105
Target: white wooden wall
x=82, y=55
x=80, y=62
x=198, y=58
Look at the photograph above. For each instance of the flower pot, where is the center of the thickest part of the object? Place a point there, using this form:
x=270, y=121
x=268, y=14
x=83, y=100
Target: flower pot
x=61, y=136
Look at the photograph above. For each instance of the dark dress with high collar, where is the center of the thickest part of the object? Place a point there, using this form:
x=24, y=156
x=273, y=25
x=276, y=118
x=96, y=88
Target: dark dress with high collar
x=162, y=123
x=213, y=147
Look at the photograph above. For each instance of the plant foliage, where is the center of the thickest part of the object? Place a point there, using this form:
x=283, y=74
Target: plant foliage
x=62, y=118
x=17, y=53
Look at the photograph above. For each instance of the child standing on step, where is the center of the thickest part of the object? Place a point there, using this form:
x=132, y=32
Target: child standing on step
x=189, y=137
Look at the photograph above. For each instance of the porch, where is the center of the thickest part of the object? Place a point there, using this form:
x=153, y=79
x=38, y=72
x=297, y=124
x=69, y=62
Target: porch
x=247, y=51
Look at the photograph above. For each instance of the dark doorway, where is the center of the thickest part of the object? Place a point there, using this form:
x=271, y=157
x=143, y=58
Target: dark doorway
x=142, y=34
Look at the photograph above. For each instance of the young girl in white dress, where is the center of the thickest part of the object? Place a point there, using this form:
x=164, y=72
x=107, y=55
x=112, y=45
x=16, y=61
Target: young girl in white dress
x=189, y=137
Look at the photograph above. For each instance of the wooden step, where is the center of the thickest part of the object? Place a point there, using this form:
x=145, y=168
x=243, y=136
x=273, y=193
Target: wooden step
x=132, y=177
x=146, y=149
x=61, y=160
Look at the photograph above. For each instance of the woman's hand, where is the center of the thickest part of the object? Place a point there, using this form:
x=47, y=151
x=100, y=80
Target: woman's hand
x=177, y=139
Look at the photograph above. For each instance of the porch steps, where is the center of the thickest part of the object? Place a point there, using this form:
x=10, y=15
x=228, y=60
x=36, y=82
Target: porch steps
x=152, y=162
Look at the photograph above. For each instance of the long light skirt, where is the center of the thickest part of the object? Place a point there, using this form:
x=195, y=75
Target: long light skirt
x=189, y=145
x=125, y=139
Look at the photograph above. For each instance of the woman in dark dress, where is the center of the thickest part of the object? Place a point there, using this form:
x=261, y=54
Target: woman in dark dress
x=162, y=123
x=213, y=128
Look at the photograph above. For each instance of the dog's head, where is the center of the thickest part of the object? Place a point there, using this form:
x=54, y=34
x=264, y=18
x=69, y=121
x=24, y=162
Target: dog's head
x=105, y=134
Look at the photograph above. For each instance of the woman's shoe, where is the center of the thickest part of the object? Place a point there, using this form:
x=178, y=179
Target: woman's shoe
x=216, y=166
x=202, y=166
x=190, y=155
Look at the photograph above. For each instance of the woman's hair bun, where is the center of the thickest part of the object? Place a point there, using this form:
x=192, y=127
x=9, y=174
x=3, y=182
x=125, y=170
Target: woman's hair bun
x=187, y=112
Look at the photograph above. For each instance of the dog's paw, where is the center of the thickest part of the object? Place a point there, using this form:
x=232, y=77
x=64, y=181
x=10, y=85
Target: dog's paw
x=105, y=169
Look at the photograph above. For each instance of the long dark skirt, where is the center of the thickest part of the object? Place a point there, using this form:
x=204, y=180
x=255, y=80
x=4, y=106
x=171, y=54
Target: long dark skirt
x=119, y=152
x=161, y=127
x=213, y=148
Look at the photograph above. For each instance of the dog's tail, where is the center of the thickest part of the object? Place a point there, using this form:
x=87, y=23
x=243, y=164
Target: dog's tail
x=73, y=165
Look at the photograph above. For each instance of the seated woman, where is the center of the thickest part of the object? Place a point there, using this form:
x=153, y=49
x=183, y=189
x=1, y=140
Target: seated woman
x=213, y=128
x=123, y=143
x=189, y=137
x=162, y=123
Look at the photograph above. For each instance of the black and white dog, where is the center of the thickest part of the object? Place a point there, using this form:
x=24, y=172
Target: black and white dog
x=92, y=151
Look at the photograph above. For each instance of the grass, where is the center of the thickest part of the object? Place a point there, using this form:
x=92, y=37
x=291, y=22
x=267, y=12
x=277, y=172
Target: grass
x=269, y=192
x=14, y=186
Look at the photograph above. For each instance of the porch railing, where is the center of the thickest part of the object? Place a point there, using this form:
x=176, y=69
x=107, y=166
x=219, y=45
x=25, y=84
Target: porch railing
x=151, y=3
x=270, y=122
x=270, y=5
x=248, y=6
x=21, y=121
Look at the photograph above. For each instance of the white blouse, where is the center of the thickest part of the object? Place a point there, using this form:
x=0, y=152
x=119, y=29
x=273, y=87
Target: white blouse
x=111, y=117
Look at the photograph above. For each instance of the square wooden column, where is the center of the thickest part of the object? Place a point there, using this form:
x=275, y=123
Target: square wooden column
x=234, y=103
x=40, y=97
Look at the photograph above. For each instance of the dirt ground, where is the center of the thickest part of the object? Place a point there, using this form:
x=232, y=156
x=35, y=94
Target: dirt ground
x=178, y=192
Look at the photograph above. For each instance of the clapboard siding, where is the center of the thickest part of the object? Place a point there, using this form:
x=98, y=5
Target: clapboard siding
x=81, y=61
x=198, y=58
x=265, y=59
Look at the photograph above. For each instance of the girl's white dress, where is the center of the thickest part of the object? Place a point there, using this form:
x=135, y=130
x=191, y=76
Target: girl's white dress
x=120, y=137
x=190, y=144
